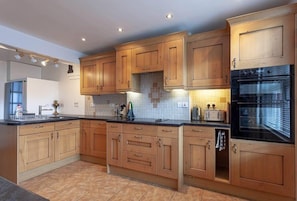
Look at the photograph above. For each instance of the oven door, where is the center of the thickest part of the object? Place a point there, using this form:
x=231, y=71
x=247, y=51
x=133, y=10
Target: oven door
x=264, y=122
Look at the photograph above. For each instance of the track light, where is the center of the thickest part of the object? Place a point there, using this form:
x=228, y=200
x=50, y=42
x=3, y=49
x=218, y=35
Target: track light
x=44, y=62
x=33, y=60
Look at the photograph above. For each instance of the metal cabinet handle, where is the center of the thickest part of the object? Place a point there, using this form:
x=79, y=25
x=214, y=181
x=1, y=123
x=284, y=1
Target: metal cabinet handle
x=234, y=148
x=138, y=128
x=138, y=137
x=52, y=136
x=166, y=131
x=194, y=130
x=119, y=138
x=138, y=155
x=208, y=144
x=159, y=142
x=234, y=63
x=57, y=135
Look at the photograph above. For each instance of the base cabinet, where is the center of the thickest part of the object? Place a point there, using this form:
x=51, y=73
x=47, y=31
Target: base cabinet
x=45, y=143
x=150, y=149
x=93, y=141
x=199, y=152
x=263, y=166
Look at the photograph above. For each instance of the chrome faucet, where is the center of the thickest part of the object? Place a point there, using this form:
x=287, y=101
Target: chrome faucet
x=40, y=109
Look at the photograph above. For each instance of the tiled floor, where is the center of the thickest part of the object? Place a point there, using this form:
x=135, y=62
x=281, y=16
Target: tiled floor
x=82, y=181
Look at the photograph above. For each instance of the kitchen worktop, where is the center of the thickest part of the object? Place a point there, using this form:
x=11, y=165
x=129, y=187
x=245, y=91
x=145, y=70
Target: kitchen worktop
x=116, y=119
x=11, y=191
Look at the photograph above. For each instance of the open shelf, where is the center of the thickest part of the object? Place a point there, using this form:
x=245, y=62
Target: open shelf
x=222, y=156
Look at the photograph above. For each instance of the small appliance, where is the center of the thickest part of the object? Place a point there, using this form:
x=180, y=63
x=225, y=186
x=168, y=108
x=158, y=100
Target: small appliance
x=196, y=113
x=214, y=115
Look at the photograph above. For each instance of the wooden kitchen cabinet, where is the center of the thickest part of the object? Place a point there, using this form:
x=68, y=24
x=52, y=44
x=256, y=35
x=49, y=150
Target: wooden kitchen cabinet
x=262, y=39
x=139, y=147
x=98, y=74
x=208, y=60
x=174, y=63
x=36, y=146
x=155, y=152
x=147, y=58
x=199, y=152
x=168, y=152
x=114, y=144
x=67, y=139
x=125, y=81
x=93, y=141
x=263, y=166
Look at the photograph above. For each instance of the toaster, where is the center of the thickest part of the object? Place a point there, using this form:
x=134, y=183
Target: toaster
x=214, y=115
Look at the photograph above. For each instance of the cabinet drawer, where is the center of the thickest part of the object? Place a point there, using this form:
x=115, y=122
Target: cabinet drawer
x=139, y=143
x=167, y=131
x=139, y=161
x=199, y=131
x=85, y=123
x=98, y=124
x=140, y=129
x=114, y=127
x=36, y=128
x=66, y=124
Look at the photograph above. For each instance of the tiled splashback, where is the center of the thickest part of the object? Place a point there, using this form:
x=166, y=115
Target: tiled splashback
x=154, y=102
x=103, y=105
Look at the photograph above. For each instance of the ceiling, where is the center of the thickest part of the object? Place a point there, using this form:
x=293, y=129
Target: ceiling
x=65, y=22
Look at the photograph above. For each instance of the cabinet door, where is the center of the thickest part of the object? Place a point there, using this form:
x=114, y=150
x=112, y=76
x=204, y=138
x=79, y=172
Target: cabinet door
x=174, y=64
x=263, y=166
x=89, y=77
x=67, y=143
x=107, y=73
x=263, y=43
x=167, y=157
x=208, y=63
x=123, y=70
x=199, y=157
x=35, y=150
x=98, y=139
x=85, y=140
x=147, y=58
x=114, y=147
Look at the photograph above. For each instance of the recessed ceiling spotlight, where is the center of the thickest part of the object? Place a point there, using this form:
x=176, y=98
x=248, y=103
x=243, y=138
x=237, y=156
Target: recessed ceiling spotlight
x=83, y=39
x=120, y=29
x=169, y=16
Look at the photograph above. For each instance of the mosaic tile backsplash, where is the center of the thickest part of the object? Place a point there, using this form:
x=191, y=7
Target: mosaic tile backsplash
x=154, y=102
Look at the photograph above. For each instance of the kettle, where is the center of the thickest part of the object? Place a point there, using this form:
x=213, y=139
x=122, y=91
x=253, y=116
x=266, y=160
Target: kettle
x=196, y=113
x=130, y=114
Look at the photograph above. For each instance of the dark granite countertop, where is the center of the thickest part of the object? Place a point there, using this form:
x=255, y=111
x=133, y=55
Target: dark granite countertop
x=148, y=121
x=12, y=192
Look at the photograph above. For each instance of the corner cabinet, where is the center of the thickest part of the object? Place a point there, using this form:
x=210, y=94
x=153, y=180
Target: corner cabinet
x=97, y=74
x=264, y=38
x=263, y=166
x=208, y=60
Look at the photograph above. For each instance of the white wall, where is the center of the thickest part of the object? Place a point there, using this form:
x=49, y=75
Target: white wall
x=69, y=88
x=3, y=77
x=18, y=71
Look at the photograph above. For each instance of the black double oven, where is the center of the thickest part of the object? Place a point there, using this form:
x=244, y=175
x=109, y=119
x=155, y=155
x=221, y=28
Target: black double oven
x=262, y=104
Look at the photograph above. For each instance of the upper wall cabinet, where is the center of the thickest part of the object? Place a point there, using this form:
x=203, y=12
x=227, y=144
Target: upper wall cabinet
x=208, y=60
x=97, y=74
x=147, y=58
x=264, y=38
x=125, y=81
x=164, y=53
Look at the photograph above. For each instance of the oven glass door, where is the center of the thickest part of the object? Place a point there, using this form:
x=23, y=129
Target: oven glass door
x=262, y=109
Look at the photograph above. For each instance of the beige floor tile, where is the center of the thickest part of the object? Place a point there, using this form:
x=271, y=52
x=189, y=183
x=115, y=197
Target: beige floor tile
x=82, y=181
